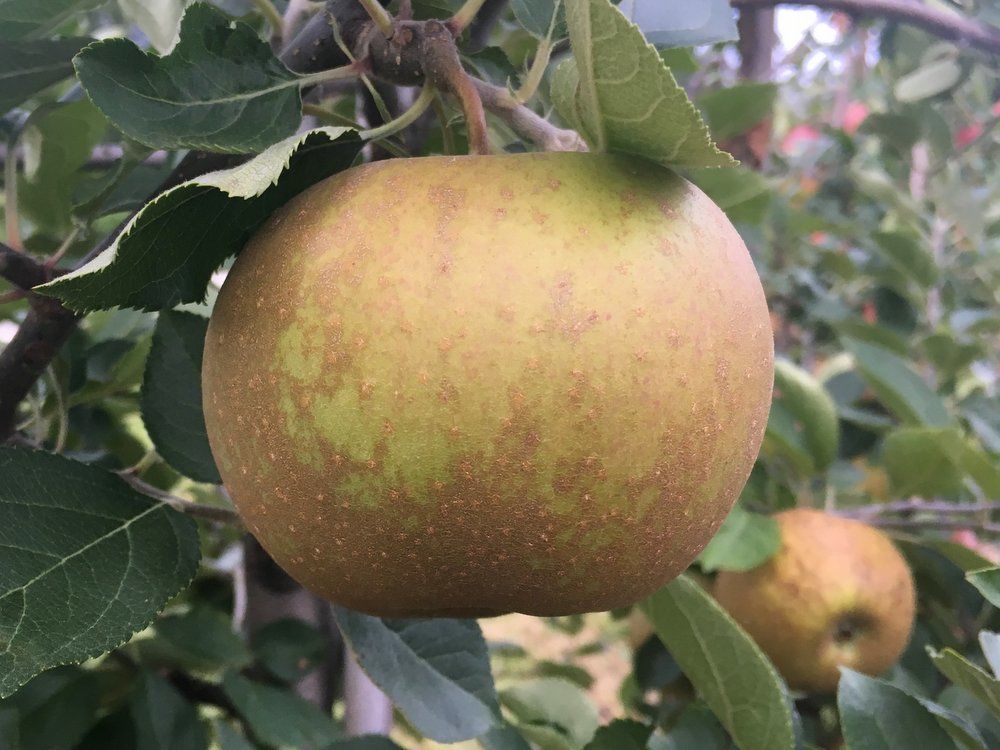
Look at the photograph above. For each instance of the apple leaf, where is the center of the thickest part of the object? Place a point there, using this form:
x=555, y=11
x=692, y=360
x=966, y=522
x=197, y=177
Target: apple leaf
x=617, y=93
x=734, y=110
x=168, y=251
x=803, y=424
x=967, y=675
x=743, y=542
x=552, y=713
x=897, y=386
x=163, y=718
x=220, y=89
x=19, y=18
x=436, y=672
x=878, y=716
x=907, y=254
x=988, y=583
x=621, y=734
x=86, y=562
x=728, y=669
x=279, y=717
x=27, y=67
x=171, y=395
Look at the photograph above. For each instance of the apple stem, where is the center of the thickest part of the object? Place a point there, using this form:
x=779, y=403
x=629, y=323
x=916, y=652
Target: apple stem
x=444, y=70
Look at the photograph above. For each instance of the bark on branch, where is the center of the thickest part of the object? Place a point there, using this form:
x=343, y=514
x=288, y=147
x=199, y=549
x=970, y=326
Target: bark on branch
x=952, y=26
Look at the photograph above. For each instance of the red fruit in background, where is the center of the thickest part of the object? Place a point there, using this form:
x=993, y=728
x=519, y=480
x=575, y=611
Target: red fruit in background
x=968, y=134
x=798, y=137
x=855, y=114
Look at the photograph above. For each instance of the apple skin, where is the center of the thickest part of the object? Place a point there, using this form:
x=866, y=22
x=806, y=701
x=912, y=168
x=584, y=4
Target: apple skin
x=466, y=386
x=837, y=593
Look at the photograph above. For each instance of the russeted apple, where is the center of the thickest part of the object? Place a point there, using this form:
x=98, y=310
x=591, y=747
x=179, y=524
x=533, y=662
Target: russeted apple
x=465, y=386
x=837, y=594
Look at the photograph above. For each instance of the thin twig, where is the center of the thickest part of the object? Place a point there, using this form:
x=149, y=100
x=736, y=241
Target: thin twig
x=941, y=524
x=917, y=505
x=526, y=123
x=464, y=16
x=939, y=23
x=60, y=396
x=189, y=507
x=11, y=217
x=419, y=106
x=272, y=16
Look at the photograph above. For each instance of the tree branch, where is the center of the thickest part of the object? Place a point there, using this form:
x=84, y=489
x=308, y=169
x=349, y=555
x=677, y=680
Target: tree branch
x=189, y=507
x=945, y=25
x=525, y=122
x=22, y=270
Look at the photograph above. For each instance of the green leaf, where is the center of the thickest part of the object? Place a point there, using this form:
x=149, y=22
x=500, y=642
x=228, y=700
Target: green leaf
x=437, y=672
x=734, y=110
x=86, y=561
x=21, y=17
x=728, y=669
x=908, y=255
x=743, y=194
x=967, y=675
x=902, y=391
x=289, y=648
x=277, y=716
x=803, y=424
x=221, y=89
x=163, y=719
x=929, y=80
x=682, y=23
x=554, y=714
x=228, y=738
x=988, y=583
x=919, y=461
x=621, y=734
x=202, y=639
x=536, y=17
x=57, y=142
x=28, y=67
x=171, y=395
x=696, y=727
x=168, y=251
x=990, y=643
x=878, y=716
x=744, y=541
x=963, y=732
x=56, y=709
x=617, y=93
x=364, y=742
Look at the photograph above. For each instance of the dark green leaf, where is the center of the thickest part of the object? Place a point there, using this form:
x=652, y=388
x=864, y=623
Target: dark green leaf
x=901, y=390
x=21, y=17
x=437, y=672
x=682, y=23
x=171, y=395
x=734, y=110
x=552, y=713
x=621, y=734
x=289, y=648
x=168, y=252
x=86, y=562
x=220, y=89
x=990, y=643
x=745, y=541
x=696, y=727
x=743, y=194
x=9, y=729
x=277, y=716
x=30, y=66
x=163, y=719
x=56, y=709
x=963, y=732
x=988, y=583
x=202, y=639
x=365, y=742
x=228, y=738
x=730, y=672
x=878, y=716
x=617, y=93
x=967, y=675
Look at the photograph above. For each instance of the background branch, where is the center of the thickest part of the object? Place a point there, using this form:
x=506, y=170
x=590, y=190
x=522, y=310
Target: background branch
x=951, y=26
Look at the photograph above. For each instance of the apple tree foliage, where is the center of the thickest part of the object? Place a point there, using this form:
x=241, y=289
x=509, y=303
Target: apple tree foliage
x=868, y=197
